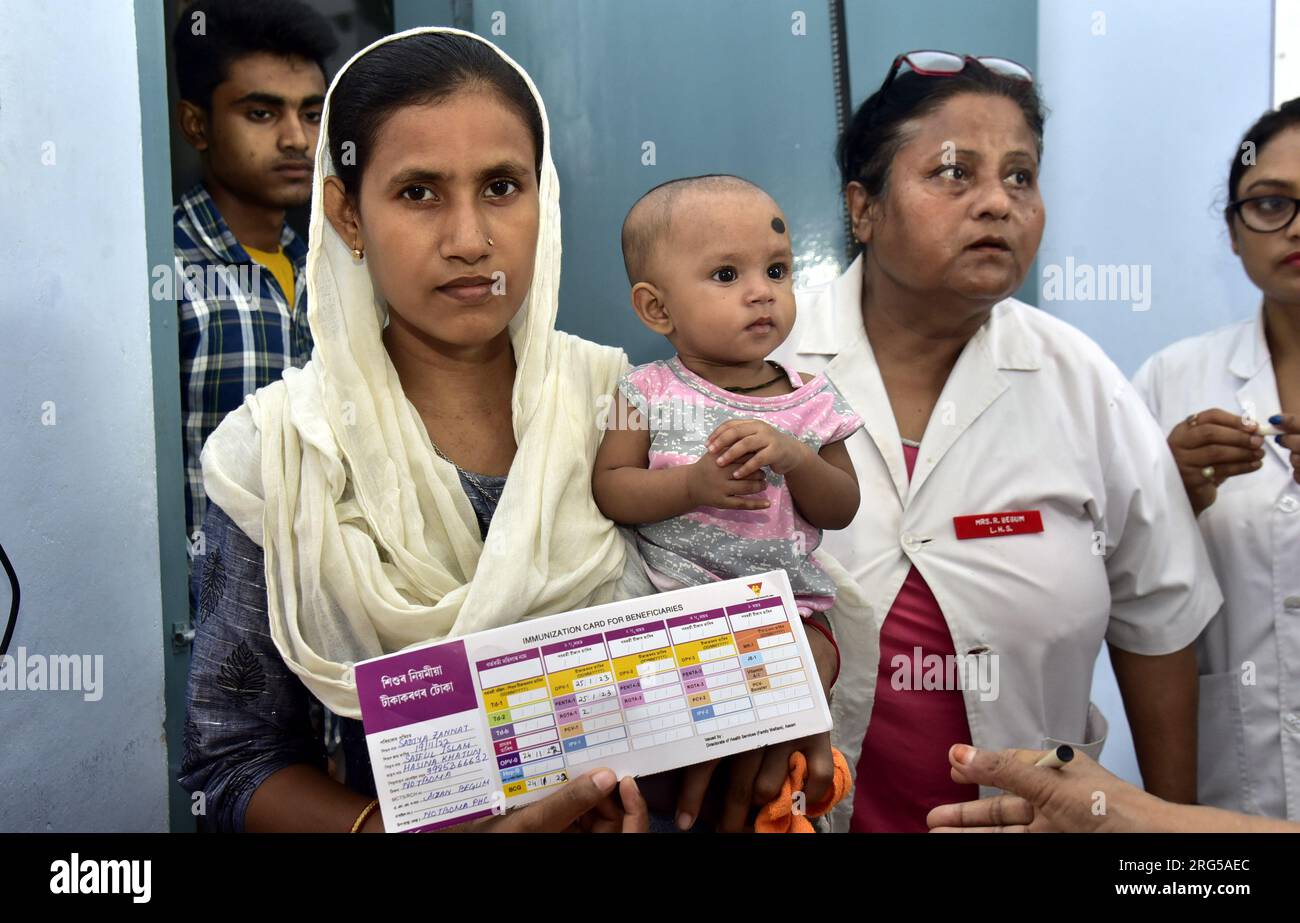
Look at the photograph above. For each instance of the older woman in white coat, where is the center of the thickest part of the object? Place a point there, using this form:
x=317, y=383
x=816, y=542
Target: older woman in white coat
x=1018, y=504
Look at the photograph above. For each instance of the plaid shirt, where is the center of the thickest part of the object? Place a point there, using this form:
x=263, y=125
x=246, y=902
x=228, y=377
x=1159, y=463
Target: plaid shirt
x=238, y=332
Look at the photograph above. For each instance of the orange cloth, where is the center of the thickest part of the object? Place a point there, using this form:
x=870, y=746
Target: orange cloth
x=779, y=816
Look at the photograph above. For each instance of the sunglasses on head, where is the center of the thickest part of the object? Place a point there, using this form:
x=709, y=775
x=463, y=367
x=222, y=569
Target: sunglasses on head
x=947, y=64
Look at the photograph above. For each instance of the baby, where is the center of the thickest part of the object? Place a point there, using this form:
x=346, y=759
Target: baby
x=726, y=464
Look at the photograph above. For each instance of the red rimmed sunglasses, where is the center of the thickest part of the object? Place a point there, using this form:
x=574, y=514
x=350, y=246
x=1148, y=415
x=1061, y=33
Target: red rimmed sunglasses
x=946, y=64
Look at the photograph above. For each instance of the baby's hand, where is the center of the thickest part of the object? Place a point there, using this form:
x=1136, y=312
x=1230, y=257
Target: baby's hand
x=767, y=447
x=713, y=485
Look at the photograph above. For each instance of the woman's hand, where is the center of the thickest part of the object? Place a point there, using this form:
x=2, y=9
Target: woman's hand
x=766, y=447
x=585, y=804
x=1289, y=423
x=1210, y=447
x=1081, y=797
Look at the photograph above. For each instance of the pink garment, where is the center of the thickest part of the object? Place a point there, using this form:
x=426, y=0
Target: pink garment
x=903, y=771
x=709, y=544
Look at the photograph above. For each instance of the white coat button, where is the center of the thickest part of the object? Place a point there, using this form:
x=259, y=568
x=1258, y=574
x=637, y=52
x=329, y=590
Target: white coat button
x=1288, y=504
x=911, y=544
x=1291, y=602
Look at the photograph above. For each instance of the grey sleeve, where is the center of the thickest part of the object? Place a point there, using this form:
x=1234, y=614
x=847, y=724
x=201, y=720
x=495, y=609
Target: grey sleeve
x=247, y=715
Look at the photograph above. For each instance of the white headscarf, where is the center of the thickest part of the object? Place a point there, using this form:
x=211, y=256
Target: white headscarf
x=370, y=542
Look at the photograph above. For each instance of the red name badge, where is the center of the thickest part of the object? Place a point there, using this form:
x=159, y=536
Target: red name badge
x=991, y=525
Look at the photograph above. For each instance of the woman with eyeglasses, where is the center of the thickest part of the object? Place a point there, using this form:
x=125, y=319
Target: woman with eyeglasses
x=1230, y=401
x=1019, y=504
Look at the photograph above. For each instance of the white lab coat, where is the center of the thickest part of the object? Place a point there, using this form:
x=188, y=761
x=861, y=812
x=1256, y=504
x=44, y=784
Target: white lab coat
x=1249, y=731
x=1032, y=417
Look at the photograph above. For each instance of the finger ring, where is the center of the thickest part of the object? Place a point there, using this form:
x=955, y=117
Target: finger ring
x=1191, y=421
x=1208, y=472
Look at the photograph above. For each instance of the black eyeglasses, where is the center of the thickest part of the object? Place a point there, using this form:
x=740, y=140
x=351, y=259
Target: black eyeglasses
x=947, y=64
x=1265, y=213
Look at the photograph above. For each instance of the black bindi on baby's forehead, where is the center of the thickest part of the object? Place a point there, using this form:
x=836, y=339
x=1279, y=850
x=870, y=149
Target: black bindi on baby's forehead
x=778, y=225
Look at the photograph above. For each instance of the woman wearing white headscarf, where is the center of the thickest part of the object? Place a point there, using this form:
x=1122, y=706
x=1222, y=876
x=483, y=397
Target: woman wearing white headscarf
x=351, y=500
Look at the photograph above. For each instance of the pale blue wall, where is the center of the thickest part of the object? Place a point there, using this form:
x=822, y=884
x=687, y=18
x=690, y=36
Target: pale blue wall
x=1145, y=120
x=79, y=508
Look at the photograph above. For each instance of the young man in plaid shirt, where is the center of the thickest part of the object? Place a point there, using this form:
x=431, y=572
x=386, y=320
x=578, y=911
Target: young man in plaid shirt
x=252, y=87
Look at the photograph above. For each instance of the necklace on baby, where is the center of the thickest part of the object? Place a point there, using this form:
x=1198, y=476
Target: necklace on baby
x=764, y=384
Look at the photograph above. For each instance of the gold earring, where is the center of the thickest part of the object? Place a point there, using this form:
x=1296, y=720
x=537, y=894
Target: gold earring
x=357, y=254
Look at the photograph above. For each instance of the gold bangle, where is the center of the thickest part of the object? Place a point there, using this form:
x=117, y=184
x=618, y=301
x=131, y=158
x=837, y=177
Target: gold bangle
x=365, y=813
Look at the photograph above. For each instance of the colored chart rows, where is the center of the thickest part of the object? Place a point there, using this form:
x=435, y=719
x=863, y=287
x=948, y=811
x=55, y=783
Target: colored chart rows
x=583, y=699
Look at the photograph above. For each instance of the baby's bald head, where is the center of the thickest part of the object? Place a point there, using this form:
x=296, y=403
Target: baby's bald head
x=649, y=223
